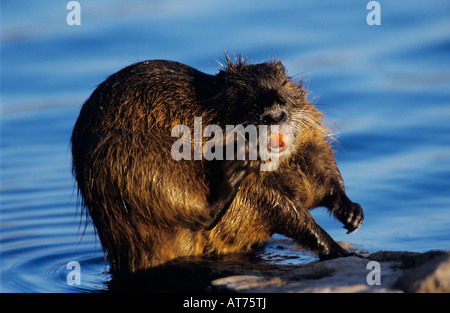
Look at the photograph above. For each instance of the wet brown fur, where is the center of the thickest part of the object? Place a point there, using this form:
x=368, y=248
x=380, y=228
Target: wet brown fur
x=148, y=208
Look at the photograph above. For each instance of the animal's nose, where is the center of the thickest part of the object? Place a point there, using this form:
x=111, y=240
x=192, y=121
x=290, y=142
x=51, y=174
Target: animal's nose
x=274, y=117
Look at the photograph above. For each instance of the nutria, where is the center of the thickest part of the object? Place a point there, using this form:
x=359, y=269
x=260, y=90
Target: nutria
x=149, y=208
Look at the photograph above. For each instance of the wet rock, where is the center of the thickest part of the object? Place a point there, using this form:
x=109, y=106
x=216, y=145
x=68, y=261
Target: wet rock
x=246, y=282
x=430, y=273
x=392, y=271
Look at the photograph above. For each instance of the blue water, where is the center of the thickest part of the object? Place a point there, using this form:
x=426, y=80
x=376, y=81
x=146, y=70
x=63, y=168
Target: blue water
x=386, y=89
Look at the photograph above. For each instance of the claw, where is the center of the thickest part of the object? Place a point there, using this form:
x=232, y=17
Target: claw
x=351, y=230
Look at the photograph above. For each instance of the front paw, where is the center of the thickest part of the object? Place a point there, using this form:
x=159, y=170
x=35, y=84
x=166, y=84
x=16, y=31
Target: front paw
x=351, y=215
x=230, y=175
x=335, y=251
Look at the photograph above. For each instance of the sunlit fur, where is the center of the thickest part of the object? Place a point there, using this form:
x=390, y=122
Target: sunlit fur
x=148, y=208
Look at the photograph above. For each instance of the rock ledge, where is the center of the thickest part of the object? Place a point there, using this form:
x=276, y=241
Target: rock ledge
x=392, y=271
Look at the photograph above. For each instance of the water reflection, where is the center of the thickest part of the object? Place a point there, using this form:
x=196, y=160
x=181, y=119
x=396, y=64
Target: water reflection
x=386, y=90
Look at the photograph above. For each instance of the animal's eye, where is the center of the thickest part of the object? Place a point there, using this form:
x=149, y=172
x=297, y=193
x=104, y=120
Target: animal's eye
x=268, y=98
x=284, y=83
